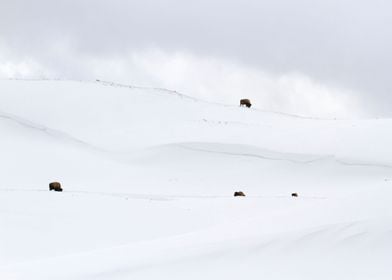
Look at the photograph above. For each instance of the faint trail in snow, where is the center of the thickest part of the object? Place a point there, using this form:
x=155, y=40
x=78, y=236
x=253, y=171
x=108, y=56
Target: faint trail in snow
x=217, y=122
x=255, y=155
x=168, y=91
x=297, y=161
x=364, y=164
x=159, y=197
x=49, y=131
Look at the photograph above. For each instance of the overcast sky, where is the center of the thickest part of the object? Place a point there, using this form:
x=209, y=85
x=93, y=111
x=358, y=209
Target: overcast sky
x=312, y=57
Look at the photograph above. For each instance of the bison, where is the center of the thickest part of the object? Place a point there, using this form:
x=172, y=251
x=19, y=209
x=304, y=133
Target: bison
x=239, y=194
x=294, y=194
x=245, y=102
x=55, y=186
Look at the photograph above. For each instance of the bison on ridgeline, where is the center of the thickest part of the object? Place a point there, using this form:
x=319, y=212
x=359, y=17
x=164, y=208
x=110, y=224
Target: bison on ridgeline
x=55, y=186
x=245, y=102
x=239, y=194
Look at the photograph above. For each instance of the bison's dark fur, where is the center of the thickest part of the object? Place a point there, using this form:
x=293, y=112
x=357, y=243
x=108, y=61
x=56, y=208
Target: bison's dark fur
x=55, y=186
x=294, y=194
x=245, y=102
x=239, y=194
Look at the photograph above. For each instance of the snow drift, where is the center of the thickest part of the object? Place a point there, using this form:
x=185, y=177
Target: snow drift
x=149, y=174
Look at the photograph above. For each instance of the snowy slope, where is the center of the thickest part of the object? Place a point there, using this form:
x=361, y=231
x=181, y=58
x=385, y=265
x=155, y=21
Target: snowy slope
x=149, y=176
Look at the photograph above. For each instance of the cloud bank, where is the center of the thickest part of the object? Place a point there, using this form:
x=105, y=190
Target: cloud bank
x=320, y=58
x=206, y=78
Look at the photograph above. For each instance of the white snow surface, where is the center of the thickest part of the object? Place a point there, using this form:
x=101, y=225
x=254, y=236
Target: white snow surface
x=149, y=176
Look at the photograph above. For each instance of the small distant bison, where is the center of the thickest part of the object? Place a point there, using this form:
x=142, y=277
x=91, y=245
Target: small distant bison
x=245, y=102
x=294, y=194
x=239, y=194
x=55, y=186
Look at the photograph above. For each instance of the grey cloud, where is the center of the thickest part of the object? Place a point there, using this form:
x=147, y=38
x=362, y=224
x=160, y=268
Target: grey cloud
x=341, y=43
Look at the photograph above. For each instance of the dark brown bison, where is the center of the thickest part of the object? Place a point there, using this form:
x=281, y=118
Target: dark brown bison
x=294, y=194
x=55, y=186
x=239, y=194
x=245, y=102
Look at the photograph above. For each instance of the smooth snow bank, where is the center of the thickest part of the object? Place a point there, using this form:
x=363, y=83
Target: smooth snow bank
x=173, y=238
x=149, y=176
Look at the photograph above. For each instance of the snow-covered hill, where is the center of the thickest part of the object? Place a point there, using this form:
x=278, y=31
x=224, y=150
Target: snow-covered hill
x=149, y=174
